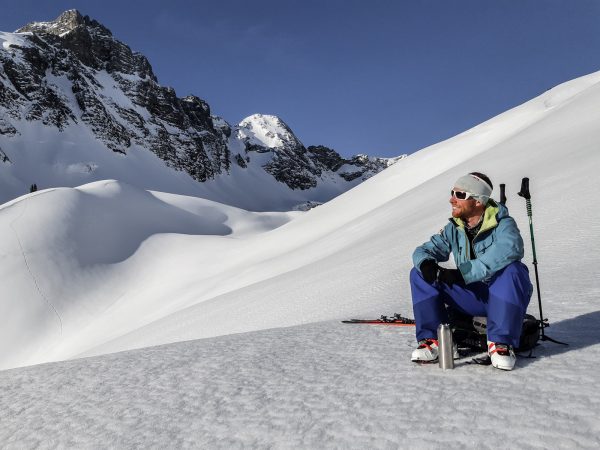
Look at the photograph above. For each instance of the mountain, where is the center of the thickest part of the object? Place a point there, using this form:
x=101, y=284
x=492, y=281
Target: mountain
x=77, y=105
x=109, y=267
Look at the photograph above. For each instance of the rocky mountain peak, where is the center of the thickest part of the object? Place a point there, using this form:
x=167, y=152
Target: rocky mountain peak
x=67, y=22
x=263, y=132
x=92, y=43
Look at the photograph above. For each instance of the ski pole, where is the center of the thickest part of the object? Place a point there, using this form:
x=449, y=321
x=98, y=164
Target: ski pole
x=524, y=192
x=503, y=193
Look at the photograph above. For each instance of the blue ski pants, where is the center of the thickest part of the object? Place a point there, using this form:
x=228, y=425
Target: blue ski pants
x=503, y=301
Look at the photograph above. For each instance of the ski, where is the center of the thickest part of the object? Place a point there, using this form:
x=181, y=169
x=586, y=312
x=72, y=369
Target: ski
x=395, y=320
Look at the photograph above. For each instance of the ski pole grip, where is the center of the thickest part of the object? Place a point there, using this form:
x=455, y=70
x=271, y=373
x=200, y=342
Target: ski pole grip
x=524, y=192
x=503, y=194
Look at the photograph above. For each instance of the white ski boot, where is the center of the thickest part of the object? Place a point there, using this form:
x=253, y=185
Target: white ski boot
x=428, y=351
x=502, y=355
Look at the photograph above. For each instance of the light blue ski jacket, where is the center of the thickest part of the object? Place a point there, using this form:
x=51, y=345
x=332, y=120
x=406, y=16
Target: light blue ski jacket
x=497, y=244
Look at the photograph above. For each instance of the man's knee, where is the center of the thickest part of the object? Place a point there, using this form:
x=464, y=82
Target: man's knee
x=416, y=277
x=516, y=273
x=516, y=268
x=415, y=273
x=421, y=290
x=512, y=285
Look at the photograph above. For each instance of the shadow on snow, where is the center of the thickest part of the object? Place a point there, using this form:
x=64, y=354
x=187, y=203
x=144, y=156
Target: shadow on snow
x=579, y=332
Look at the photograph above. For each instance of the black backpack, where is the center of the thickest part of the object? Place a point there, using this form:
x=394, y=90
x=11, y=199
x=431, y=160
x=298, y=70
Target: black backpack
x=471, y=332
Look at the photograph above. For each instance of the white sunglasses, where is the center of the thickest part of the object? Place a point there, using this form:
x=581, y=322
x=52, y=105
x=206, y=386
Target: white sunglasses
x=461, y=195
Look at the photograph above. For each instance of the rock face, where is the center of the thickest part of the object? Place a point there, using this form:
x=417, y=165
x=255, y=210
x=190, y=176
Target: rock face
x=288, y=159
x=295, y=165
x=76, y=58
x=72, y=72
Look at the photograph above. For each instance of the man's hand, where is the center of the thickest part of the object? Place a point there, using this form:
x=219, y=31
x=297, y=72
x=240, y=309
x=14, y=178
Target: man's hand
x=429, y=269
x=450, y=276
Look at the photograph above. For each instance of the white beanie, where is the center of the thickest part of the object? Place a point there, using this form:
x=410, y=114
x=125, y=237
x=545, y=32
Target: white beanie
x=477, y=186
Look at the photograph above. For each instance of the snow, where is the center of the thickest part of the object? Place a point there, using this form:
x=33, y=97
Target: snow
x=219, y=122
x=9, y=39
x=347, y=169
x=112, y=93
x=264, y=130
x=324, y=385
x=243, y=308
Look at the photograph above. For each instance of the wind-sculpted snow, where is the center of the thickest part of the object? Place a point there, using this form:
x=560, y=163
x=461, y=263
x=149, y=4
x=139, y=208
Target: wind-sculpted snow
x=325, y=385
x=65, y=251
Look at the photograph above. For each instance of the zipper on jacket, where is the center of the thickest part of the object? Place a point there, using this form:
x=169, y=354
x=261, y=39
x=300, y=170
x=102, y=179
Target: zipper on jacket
x=467, y=246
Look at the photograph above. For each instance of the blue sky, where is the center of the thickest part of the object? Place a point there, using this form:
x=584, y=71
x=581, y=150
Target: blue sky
x=376, y=77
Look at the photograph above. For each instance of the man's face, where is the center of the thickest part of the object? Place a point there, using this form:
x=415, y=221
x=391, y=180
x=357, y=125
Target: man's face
x=462, y=208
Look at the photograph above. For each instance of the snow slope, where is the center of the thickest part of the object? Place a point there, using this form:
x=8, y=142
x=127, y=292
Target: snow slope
x=108, y=267
x=75, y=254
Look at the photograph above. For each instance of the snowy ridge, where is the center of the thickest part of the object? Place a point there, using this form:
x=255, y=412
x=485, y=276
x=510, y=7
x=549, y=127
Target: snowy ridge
x=64, y=24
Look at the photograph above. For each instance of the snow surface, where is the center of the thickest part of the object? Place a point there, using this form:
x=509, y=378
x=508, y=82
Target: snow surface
x=109, y=267
x=325, y=385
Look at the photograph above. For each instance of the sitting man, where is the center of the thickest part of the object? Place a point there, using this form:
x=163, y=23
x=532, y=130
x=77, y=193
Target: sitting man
x=490, y=279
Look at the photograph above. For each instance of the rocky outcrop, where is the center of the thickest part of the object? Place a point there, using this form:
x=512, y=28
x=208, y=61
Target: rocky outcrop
x=92, y=44
x=364, y=167
x=326, y=157
x=295, y=165
x=288, y=161
x=76, y=58
x=4, y=157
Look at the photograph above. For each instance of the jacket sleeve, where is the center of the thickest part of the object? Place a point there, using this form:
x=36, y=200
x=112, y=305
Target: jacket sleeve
x=507, y=247
x=437, y=248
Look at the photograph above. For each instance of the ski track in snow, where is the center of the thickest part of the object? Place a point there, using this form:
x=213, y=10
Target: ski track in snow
x=325, y=385
x=29, y=271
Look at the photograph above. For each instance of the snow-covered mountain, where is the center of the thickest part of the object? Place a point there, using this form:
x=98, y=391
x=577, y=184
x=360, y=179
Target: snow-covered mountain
x=77, y=105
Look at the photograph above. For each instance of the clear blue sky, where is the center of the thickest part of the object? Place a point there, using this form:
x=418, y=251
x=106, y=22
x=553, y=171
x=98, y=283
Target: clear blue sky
x=373, y=76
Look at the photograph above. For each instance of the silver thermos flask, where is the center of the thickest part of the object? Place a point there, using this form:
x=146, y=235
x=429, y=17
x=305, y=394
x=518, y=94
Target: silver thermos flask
x=446, y=346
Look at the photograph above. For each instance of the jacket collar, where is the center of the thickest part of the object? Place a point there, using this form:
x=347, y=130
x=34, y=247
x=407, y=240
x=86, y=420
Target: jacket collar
x=490, y=220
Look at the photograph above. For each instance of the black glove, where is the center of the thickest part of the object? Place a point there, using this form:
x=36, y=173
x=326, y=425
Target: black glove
x=450, y=276
x=429, y=270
